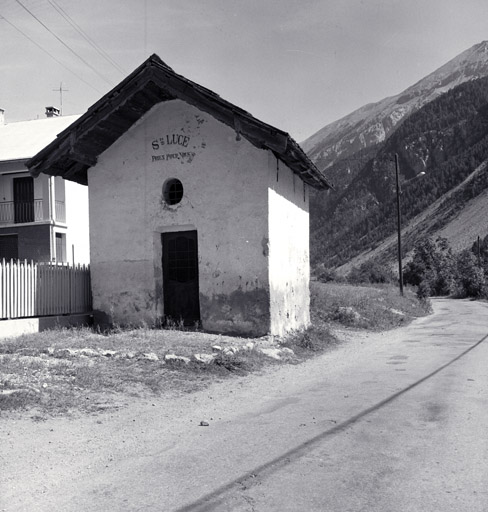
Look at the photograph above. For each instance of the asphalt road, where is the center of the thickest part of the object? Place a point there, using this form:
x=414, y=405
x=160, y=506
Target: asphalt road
x=396, y=421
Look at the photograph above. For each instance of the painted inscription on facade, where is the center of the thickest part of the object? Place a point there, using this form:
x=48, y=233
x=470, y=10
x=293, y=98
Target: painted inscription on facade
x=172, y=140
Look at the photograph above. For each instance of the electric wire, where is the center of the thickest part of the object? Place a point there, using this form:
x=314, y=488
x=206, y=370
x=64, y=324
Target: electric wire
x=90, y=41
x=50, y=54
x=63, y=43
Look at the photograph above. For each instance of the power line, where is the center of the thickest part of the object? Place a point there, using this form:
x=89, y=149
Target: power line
x=50, y=54
x=63, y=43
x=90, y=41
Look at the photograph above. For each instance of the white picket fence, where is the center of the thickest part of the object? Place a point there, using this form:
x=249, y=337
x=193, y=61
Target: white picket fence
x=29, y=289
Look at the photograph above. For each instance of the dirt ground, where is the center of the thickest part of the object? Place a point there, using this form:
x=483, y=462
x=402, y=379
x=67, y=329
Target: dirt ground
x=47, y=462
x=157, y=455
x=46, y=458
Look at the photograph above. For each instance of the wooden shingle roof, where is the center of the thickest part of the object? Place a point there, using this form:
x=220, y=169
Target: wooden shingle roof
x=78, y=147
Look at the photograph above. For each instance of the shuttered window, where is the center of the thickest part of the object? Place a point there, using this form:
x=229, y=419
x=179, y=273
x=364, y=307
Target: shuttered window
x=24, y=199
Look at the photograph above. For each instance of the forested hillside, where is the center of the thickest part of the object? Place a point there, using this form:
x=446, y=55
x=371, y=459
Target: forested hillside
x=345, y=139
x=447, y=139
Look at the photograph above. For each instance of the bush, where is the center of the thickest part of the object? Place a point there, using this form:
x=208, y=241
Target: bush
x=326, y=275
x=371, y=272
x=432, y=268
x=470, y=279
x=435, y=270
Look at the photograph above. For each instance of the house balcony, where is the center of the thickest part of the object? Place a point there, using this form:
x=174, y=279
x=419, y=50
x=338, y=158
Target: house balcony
x=30, y=211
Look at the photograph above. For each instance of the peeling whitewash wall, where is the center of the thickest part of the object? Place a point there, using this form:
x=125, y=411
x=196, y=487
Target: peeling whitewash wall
x=289, y=267
x=225, y=199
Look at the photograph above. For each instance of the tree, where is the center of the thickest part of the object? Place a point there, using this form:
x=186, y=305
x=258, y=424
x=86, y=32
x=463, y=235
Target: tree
x=431, y=268
x=470, y=278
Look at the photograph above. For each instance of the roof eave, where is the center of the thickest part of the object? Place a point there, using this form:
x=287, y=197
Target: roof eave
x=166, y=85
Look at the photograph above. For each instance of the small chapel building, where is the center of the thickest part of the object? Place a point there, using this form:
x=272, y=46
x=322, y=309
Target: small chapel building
x=199, y=212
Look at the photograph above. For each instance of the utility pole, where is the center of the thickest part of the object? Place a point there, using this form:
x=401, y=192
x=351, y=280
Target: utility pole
x=479, y=252
x=399, y=225
x=61, y=90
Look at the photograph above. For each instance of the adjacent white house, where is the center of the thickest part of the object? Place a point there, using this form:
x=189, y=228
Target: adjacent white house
x=43, y=218
x=198, y=211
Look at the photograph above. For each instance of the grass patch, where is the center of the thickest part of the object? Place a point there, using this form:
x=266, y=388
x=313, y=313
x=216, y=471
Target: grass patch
x=312, y=341
x=373, y=307
x=79, y=370
x=65, y=370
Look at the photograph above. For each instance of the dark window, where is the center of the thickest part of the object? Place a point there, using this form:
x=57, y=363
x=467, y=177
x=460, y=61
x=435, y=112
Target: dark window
x=9, y=247
x=182, y=259
x=173, y=191
x=60, y=247
x=24, y=199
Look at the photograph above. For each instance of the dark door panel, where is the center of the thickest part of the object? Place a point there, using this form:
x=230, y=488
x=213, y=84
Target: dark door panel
x=180, y=277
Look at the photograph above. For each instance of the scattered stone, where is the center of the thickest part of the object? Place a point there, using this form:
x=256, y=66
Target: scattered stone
x=173, y=358
x=286, y=350
x=249, y=346
x=204, y=358
x=217, y=348
x=266, y=341
x=204, y=424
x=10, y=391
x=65, y=352
x=348, y=313
x=396, y=311
x=89, y=352
x=149, y=356
x=230, y=351
x=274, y=353
x=128, y=355
x=108, y=353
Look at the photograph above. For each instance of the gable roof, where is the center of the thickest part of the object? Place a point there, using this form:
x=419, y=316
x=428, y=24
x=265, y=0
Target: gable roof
x=77, y=148
x=23, y=139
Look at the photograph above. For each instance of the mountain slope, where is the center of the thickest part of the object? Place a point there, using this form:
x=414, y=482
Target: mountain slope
x=374, y=123
x=459, y=225
x=447, y=139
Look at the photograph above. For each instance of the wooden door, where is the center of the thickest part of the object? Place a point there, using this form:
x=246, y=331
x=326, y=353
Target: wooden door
x=180, y=277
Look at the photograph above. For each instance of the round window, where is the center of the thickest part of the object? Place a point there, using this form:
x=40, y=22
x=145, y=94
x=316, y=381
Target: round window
x=173, y=191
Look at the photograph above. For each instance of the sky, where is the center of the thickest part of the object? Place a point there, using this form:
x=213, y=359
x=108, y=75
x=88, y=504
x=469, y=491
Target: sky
x=295, y=64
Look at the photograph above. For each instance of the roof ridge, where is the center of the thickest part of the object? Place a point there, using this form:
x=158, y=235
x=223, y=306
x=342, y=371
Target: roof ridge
x=150, y=83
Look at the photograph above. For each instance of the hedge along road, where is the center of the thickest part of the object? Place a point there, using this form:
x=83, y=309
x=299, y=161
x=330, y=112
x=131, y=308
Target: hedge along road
x=390, y=421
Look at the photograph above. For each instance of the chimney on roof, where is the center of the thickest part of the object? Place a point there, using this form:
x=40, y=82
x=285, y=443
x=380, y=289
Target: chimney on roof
x=2, y=116
x=52, y=112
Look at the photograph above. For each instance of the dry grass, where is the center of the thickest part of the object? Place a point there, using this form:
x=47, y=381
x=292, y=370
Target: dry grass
x=370, y=307
x=47, y=370
x=46, y=373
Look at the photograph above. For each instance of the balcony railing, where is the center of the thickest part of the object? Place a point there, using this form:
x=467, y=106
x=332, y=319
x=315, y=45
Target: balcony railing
x=15, y=213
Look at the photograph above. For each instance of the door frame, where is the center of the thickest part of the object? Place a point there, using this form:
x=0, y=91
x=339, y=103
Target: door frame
x=158, y=263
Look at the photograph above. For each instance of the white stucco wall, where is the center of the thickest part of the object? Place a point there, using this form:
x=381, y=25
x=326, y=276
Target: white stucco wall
x=289, y=268
x=77, y=221
x=225, y=200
